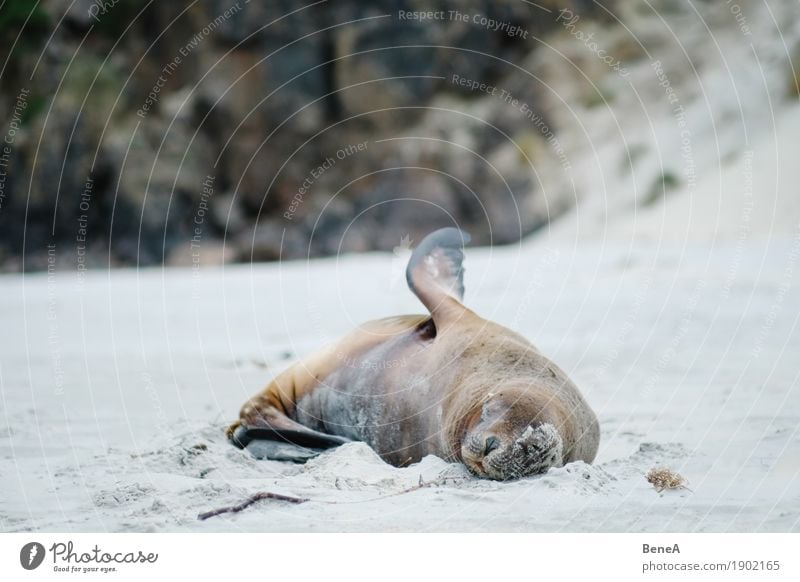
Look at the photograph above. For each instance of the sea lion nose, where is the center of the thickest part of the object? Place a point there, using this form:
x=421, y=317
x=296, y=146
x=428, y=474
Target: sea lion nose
x=491, y=444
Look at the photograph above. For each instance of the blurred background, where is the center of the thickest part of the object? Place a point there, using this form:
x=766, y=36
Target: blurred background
x=135, y=130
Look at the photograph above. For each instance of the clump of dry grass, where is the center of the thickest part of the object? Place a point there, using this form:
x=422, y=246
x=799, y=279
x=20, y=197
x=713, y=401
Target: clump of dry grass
x=662, y=478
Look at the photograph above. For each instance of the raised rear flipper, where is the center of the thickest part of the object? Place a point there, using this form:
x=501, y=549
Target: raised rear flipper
x=436, y=276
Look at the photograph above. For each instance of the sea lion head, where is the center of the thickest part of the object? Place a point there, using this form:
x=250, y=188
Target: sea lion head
x=512, y=434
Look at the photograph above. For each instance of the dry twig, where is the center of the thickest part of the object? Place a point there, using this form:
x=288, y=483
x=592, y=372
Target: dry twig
x=250, y=501
x=298, y=500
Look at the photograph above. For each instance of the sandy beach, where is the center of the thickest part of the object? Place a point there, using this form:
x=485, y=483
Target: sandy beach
x=116, y=387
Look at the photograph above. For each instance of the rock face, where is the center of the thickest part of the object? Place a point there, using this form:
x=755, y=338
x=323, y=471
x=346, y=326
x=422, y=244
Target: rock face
x=312, y=124
x=276, y=130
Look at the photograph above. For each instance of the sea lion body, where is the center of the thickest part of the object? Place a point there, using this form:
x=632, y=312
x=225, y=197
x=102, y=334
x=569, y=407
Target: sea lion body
x=450, y=383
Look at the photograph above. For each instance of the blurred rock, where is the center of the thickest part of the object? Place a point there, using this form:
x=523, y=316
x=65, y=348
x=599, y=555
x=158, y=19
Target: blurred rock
x=270, y=240
x=266, y=101
x=211, y=253
x=226, y=213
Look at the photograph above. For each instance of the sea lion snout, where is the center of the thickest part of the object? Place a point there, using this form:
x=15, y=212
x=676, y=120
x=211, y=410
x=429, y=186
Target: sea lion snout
x=535, y=450
x=511, y=436
x=477, y=449
x=492, y=443
x=480, y=445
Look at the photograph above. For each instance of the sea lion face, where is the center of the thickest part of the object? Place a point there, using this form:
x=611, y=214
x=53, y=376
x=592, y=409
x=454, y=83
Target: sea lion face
x=511, y=438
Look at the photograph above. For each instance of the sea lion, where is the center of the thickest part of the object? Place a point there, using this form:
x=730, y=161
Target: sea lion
x=449, y=383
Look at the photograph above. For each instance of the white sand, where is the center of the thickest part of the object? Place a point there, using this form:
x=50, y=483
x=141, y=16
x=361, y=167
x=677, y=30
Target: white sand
x=115, y=393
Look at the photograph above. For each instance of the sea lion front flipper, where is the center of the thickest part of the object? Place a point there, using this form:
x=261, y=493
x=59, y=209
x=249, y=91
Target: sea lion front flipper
x=274, y=450
x=435, y=273
x=270, y=434
x=243, y=435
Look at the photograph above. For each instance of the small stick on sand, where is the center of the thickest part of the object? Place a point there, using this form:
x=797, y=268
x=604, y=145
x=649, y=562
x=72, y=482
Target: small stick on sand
x=250, y=501
x=298, y=500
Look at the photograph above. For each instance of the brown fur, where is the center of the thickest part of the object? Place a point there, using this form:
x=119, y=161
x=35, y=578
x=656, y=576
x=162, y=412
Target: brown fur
x=449, y=384
x=420, y=395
